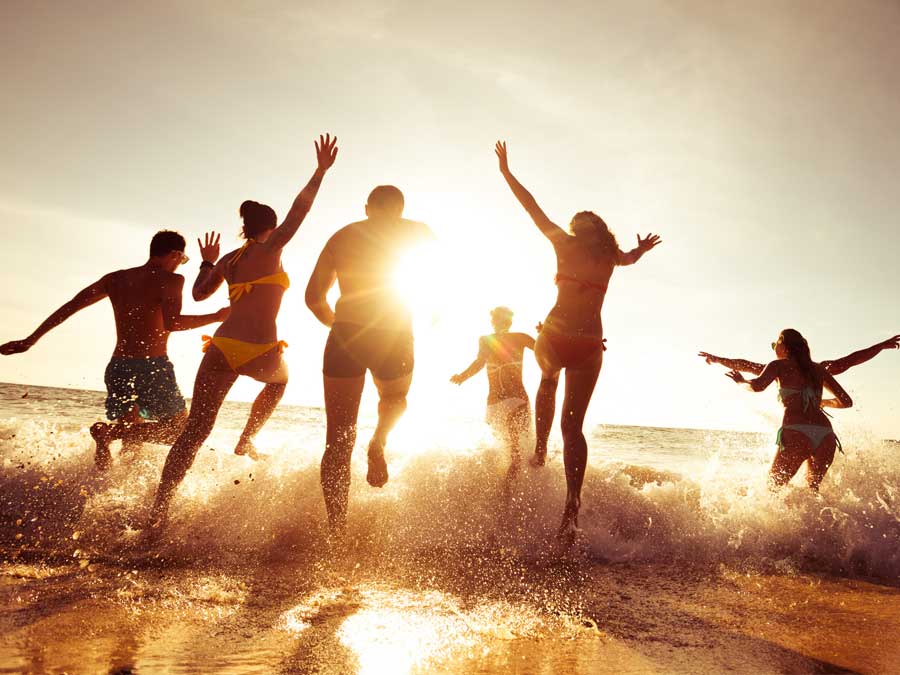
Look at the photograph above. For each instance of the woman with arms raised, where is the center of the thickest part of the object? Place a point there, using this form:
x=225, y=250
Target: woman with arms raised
x=246, y=343
x=805, y=434
x=571, y=337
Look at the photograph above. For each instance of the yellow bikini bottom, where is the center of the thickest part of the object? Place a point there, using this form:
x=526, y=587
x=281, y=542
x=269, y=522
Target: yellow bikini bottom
x=238, y=352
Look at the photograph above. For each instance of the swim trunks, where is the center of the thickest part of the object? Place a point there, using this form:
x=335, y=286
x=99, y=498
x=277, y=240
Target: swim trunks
x=352, y=349
x=148, y=384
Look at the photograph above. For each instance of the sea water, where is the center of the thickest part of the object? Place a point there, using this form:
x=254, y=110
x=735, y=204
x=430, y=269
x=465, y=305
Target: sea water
x=451, y=558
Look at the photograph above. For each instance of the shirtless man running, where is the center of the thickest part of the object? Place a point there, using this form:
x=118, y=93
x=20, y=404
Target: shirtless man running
x=371, y=330
x=140, y=379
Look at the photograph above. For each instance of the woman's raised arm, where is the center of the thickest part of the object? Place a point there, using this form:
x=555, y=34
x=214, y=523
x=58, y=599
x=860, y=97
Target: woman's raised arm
x=548, y=228
x=326, y=152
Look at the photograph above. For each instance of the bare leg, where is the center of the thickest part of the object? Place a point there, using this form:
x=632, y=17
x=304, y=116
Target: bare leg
x=342, y=395
x=210, y=388
x=580, y=385
x=134, y=432
x=260, y=413
x=515, y=423
x=544, y=412
x=793, y=452
x=391, y=406
x=820, y=462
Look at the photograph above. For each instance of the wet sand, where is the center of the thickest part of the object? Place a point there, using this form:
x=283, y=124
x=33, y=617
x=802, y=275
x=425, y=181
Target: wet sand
x=448, y=614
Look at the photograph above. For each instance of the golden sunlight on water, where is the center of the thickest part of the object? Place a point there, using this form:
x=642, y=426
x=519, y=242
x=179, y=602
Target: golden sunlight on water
x=394, y=631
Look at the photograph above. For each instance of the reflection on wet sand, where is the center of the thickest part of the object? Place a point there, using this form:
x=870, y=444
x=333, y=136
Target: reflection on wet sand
x=581, y=618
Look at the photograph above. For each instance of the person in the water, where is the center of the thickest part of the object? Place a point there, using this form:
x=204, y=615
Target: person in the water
x=370, y=329
x=140, y=379
x=805, y=434
x=247, y=342
x=508, y=407
x=571, y=337
x=834, y=366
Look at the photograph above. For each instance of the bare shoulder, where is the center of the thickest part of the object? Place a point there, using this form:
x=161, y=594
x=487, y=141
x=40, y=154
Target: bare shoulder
x=778, y=367
x=418, y=228
x=346, y=232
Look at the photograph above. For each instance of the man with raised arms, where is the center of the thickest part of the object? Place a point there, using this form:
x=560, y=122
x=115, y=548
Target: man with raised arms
x=140, y=379
x=371, y=329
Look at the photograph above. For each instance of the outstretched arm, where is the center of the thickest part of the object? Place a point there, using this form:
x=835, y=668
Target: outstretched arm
x=841, y=397
x=734, y=364
x=320, y=282
x=643, y=245
x=547, y=227
x=326, y=152
x=768, y=375
x=838, y=366
x=212, y=273
x=173, y=319
x=93, y=293
x=473, y=368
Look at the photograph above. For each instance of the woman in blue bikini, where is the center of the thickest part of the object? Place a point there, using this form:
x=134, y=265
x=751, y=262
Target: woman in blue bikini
x=805, y=434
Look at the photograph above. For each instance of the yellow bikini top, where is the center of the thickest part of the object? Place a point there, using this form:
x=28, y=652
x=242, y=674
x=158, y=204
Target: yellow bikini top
x=237, y=290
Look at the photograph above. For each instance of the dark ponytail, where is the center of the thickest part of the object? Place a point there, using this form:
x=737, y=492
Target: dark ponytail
x=257, y=218
x=798, y=351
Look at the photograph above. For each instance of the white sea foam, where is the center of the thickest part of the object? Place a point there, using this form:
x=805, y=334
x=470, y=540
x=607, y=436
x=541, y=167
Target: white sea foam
x=447, y=494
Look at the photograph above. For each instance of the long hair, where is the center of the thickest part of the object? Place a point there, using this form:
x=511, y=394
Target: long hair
x=593, y=233
x=798, y=350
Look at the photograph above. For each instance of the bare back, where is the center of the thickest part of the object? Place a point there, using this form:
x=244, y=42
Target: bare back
x=800, y=408
x=502, y=354
x=253, y=315
x=365, y=256
x=137, y=296
x=582, y=281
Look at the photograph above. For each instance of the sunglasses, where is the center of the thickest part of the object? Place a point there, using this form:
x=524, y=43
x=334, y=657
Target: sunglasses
x=775, y=344
x=184, y=257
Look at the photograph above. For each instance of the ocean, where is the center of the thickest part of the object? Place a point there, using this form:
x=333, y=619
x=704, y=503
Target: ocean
x=687, y=562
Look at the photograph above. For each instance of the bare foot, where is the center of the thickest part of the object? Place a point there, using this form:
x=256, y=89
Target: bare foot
x=377, y=475
x=538, y=459
x=102, y=456
x=568, y=529
x=246, y=447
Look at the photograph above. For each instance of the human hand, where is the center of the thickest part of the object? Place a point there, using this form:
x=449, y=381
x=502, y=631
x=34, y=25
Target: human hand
x=709, y=358
x=209, y=247
x=223, y=313
x=16, y=346
x=326, y=151
x=500, y=150
x=456, y=379
x=736, y=376
x=648, y=242
x=891, y=343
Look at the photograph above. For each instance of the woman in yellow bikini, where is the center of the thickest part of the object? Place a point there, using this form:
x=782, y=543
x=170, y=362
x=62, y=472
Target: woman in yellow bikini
x=247, y=342
x=805, y=434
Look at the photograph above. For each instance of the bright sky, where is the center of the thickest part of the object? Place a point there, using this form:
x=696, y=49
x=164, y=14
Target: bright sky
x=759, y=139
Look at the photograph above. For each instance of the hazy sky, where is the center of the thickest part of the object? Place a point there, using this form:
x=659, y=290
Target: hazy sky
x=759, y=139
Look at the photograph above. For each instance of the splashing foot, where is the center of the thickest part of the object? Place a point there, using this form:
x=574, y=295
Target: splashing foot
x=245, y=447
x=568, y=530
x=102, y=456
x=538, y=459
x=377, y=475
